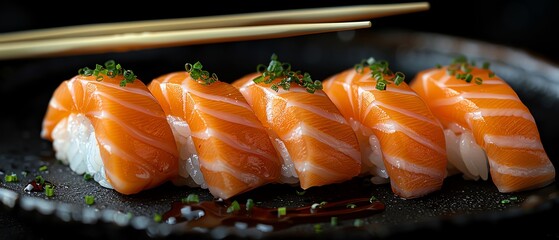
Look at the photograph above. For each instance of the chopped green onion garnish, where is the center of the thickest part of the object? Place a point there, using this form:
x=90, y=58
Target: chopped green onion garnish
x=234, y=207
x=333, y=221
x=40, y=180
x=372, y=199
x=89, y=199
x=351, y=205
x=381, y=85
x=202, y=76
x=157, y=218
x=468, y=77
x=43, y=168
x=282, y=211
x=191, y=198
x=513, y=198
x=249, y=204
x=317, y=228
x=491, y=74
x=49, y=190
x=478, y=81
x=486, y=65
x=24, y=173
x=300, y=193
x=282, y=71
x=10, y=178
x=505, y=201
x=87, y=177
x=358, y=222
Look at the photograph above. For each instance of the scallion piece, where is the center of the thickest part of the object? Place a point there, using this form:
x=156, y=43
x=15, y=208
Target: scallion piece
x=89, y=199
x=372, y=199
x=43, y=168
x=157, y=218
x=333, y=221
x=317, y=228
x=191, y=198
x=282, y=211
x=234, y=207
x=10, y=178
x=87, y=177
x=49, y=190
x=40, y=180
x=486, y=65
x=358, y=222
x=249, y=204
x=505, y=201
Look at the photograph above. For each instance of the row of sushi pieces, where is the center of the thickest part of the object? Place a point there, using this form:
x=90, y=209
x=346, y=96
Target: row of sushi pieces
x=278, y=125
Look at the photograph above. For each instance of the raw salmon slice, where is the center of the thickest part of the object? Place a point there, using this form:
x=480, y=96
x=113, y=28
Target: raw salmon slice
x=399, y=136
x=117, y=134
x=223, y=146
x=316, y=143
x=487, y=126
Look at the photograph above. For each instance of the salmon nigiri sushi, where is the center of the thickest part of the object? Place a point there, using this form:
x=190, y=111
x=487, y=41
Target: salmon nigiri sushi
x=105, y=122
x=399, y=136
x=223, y=146
x=317, y=145
x=488, y=128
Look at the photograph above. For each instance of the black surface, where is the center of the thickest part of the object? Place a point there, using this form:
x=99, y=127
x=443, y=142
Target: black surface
x=461, y=208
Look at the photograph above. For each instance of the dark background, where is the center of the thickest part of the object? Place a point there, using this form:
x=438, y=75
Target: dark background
x=529, y=24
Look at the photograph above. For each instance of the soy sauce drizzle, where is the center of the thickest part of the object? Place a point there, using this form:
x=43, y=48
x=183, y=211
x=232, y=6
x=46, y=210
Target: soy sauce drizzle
x=215, y=214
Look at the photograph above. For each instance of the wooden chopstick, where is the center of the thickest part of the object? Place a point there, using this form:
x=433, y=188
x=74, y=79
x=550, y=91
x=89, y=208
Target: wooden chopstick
x=331, y=14
x=136, y=41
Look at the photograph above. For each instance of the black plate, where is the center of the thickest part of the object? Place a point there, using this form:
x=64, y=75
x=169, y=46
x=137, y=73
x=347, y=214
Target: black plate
x=462, y=208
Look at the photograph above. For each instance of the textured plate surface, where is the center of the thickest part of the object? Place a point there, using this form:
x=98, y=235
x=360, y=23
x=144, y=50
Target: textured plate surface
x=459, y=208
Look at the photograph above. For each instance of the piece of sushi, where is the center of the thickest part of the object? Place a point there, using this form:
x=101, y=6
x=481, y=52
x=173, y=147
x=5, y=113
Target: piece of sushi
x=316, y=143
x=487, y=126
x=223, y=146
x=400, y=138
x=105, y=122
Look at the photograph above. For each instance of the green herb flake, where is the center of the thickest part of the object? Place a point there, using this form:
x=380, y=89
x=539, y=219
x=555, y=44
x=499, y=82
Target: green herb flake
x=333, y=221
x=43, y=168
x=505, y=201
x=87, y=177
x=234, y=207
x=491, y=74
x=282, y=71
x=40, y=180
x=11, y=178
x=373, y=199
x=89, y=199
x=49, y=190
x=198, y=74
x=282, y=211
x=358, y=222
x=249, y=205
x=191, y=198
x=300, y=193
x=317, y=228
x=486, y=65
x=157, y=218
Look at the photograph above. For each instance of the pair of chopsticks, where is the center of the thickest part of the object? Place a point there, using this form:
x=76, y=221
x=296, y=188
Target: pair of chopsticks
x=126, y=36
